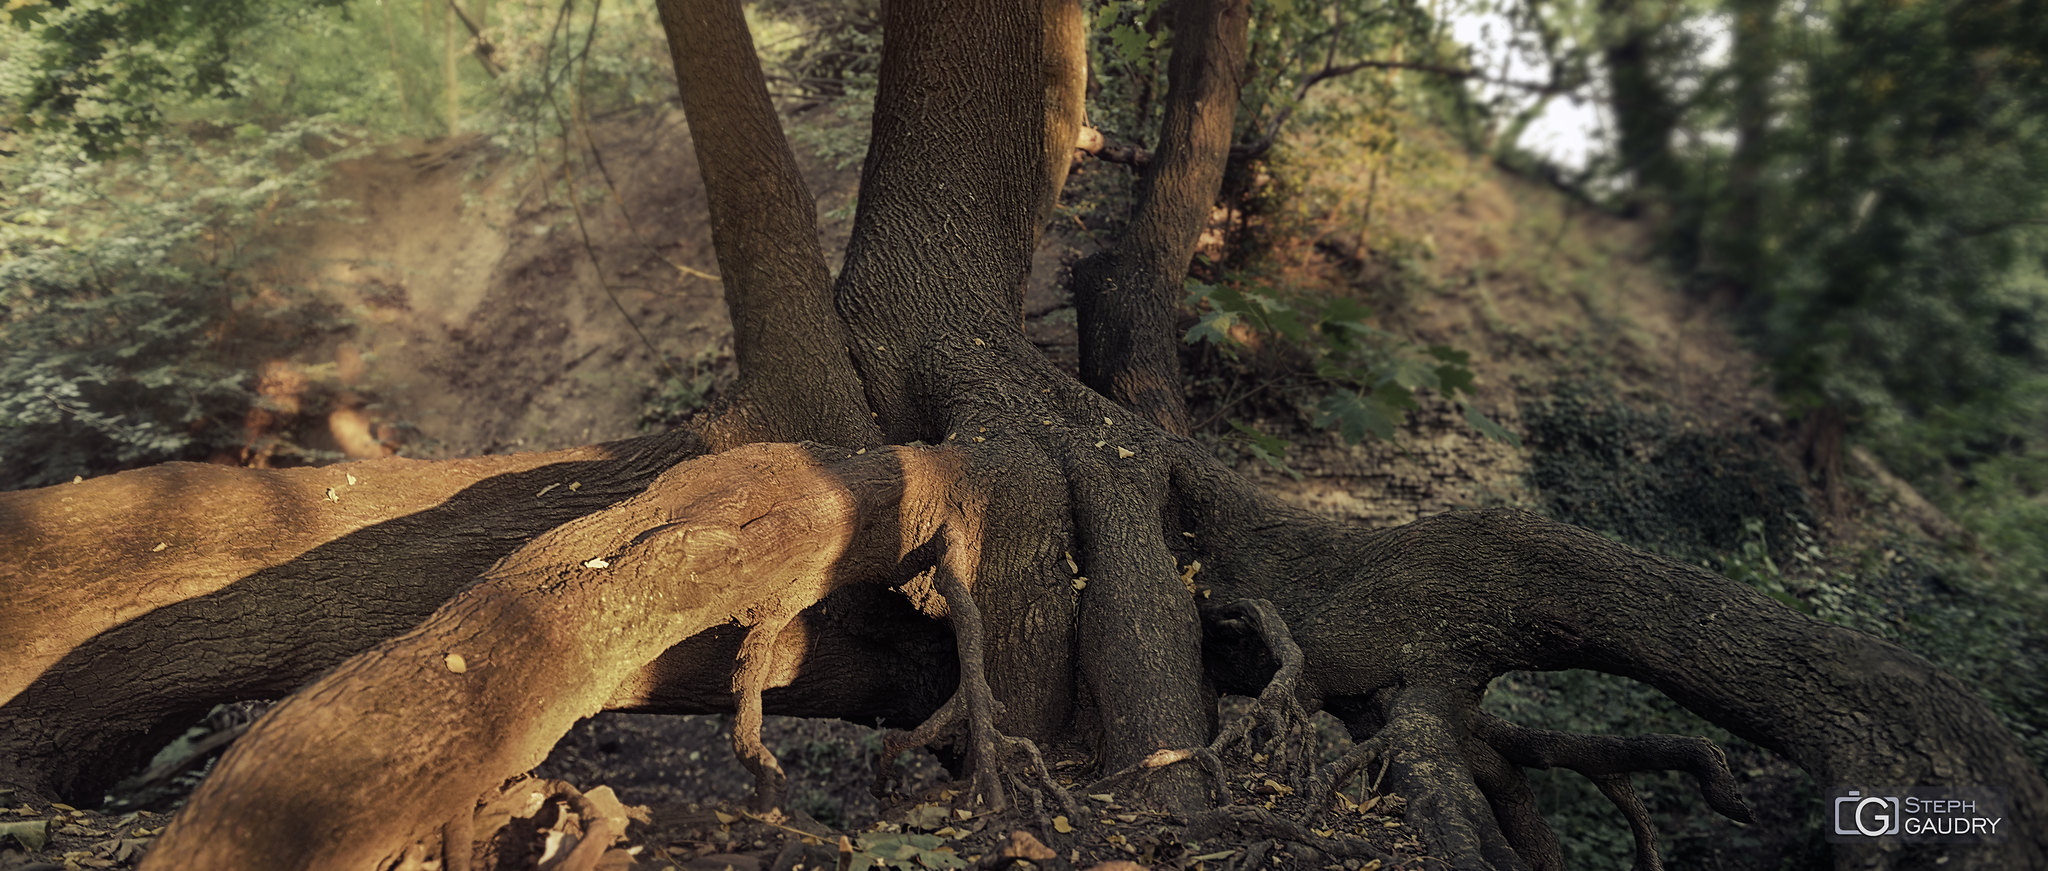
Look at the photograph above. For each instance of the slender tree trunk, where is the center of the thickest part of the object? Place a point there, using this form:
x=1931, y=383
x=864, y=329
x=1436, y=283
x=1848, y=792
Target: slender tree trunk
x=1128, y=299
x=451, y=81
x=1643, y=112
x=1742, y=229
x=796, y=380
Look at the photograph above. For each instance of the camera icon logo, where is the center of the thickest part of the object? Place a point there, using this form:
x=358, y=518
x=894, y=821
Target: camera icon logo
x=1867, y=815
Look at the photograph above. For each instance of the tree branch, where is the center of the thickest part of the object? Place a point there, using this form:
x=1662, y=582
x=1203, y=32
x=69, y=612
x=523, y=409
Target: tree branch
x=1258, y=148
x=483, y=47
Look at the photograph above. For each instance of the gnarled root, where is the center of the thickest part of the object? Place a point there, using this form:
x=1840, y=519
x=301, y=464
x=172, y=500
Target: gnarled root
x=749, y=679
x=1288, y=742
x=1258, y=821
x=1461, y=771
x=1608, y=761
x=992, y=753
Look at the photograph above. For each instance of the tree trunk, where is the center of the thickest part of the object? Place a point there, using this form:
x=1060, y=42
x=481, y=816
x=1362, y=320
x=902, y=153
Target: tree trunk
x=1127, y=299
x=796, y=380
x=1644, y=115
x=1741, y=230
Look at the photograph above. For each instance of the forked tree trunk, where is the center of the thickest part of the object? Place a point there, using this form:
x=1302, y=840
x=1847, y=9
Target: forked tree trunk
x=467, y=613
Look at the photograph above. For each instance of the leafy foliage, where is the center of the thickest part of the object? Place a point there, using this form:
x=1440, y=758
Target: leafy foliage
x=905, y=851
x=123, y=290
x=1370, y=376
x=107, y=70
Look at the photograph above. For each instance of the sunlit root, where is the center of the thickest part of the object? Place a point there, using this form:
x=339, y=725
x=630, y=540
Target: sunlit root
x=749, y=679
x=529, y=820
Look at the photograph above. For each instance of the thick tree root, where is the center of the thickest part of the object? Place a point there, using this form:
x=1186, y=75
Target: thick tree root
x=1607, y=761
x=1287, y=740
x=1598, y=756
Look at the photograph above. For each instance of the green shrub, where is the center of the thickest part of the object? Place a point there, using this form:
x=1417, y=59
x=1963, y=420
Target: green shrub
x=126, y=312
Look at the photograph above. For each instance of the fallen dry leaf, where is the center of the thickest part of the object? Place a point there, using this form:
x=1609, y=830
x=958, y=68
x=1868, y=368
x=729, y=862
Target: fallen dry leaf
x=1162, y=757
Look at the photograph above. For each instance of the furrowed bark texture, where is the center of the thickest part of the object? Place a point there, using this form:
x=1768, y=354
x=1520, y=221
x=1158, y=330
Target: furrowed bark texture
x=381, y=751
x=139, y=600
x=796, y=381
x=1128, y=299
x=1083, y=524
x=974, y=129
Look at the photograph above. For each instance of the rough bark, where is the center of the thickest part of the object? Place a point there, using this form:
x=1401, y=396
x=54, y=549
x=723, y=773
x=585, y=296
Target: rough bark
x=1127, y=299
x=386, y=748
x=974, y=128
x=796, y=381
x=1461, y=598
x=139, y=600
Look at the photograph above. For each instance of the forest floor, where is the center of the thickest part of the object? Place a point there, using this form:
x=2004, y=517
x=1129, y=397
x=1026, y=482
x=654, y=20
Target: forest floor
x=490, y=313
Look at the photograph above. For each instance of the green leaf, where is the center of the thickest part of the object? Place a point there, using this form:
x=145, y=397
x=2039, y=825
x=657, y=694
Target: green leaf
x=1229, y=299
x=1287, y=322
x=1450, y=355
x=1452, y=379
x=1130, y=41
x=1213, y=327
x=1488, y=428
x=28, y=14
x=1269, y=449
x=1343, y=309
x=1357, y=417
x=1410, y=373
x=1395, y=396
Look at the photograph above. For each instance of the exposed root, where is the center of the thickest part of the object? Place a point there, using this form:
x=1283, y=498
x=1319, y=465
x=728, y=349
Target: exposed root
x=1514, y=806
x=993, y=754
x=896, y=741
x=1332, y=777
x=1617, y=789
x=749, y=679
x=1597, y=756
x=990, y=747
x=1259, y=821
x=1289, y=740
x=1207, y=758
